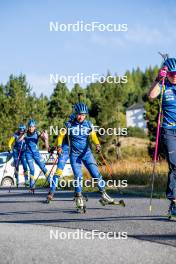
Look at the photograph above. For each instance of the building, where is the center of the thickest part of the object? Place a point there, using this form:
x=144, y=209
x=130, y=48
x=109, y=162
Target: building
x=135, y=116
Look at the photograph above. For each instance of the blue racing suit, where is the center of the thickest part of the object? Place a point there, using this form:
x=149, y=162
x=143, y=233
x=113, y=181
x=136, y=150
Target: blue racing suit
x=19, y=148
x=80, y=152
x=32, y=154
x=168, y=136
x=62, y=159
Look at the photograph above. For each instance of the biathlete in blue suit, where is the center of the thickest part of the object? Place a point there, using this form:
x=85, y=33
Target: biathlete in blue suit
x=31, y=138
x=168, y=129
x=79, y=132
x=62, y=160
x=18, y=148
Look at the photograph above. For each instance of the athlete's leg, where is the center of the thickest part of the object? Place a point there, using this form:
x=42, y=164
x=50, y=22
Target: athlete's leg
x=25, y=168
x=29, y=159
x=62, y=159
x=16, y=164
x=169, y=142
x=92, y=167
x=76, y=164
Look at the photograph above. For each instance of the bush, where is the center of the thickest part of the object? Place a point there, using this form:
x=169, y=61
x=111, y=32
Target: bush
x=136, y=132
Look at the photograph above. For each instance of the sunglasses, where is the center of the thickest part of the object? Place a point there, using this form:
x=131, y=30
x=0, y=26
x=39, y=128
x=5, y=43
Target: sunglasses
x=172, y=74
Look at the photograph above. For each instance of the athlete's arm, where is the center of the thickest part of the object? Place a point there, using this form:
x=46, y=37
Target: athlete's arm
x=44, y=137
x=94, y=137
x=154, y=91
x=60, y=138
x=95, y=140
x=11, y=142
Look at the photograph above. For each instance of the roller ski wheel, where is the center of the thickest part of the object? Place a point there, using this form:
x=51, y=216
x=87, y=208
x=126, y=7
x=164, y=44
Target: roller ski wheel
x=32, y=191
x=49, y=198
x=171, y=217
x=121, y=203
x=80, y=206
x=81, y=210
x=85, y=197
x=172, y=211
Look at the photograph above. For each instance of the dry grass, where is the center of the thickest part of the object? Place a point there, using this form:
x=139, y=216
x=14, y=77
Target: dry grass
x=138, y=172
x=133, y=141
x=135, y=166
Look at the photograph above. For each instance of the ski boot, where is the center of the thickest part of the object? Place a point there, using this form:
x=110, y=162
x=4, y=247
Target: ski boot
x=85, y=197
x=106, y=199
x=80, y=206
x=49, y=197
x=172, y=210
x=27, y=184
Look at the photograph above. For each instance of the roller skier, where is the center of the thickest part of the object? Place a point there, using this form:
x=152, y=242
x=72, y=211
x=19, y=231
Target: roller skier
x=168, y=128
x=79, y=131
x=31, y=139
x=63, y=156
x=18, y=148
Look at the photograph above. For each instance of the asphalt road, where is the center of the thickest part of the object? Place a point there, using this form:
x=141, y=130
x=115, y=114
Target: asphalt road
x=26, y=222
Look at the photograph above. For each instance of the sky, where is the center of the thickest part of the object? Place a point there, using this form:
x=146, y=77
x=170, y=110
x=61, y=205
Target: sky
x=27, y=45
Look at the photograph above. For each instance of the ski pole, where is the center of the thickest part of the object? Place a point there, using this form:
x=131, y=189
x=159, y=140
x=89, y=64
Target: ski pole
x=156, y=143
x=40, y=172
x=16, y=166
x=54, y=163
x=109, y=169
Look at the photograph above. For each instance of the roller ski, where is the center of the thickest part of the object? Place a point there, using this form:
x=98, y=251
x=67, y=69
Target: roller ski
x=49, y=197
x=17, y=187
x=80, y=205
x=107, y=200
x=172, y=211
x=32, y=191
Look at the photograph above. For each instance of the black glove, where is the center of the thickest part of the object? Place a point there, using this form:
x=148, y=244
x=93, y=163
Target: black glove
x=9, y=151
x=51, y=149
x=98, y=148
x=59, y=150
